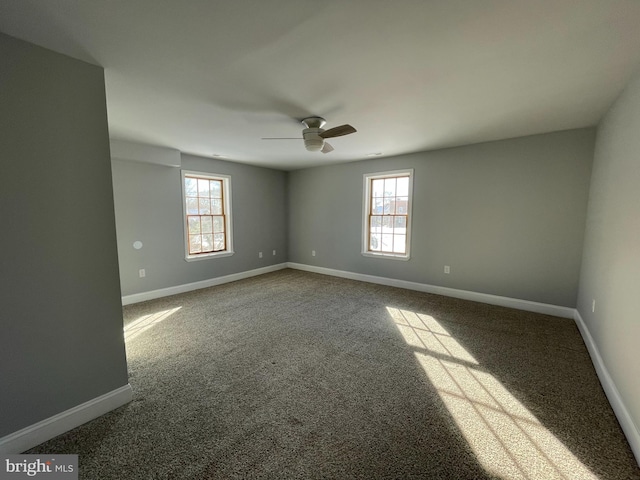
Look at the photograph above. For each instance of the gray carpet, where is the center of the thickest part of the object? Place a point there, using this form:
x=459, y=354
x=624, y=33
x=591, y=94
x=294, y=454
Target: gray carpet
x=298, y=375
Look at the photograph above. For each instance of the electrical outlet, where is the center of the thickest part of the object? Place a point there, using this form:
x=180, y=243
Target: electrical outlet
x=259, y=254
x=447, y=269
x=313, y=253
x=274, y=252
x=142, y=273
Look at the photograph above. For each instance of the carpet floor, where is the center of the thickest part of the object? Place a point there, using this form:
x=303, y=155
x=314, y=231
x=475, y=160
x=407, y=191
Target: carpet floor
x=299, y=375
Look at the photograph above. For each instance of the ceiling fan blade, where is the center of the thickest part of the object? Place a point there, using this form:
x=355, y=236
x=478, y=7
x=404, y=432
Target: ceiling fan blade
x=281, y=138
x=338, y=131
x=327, y=148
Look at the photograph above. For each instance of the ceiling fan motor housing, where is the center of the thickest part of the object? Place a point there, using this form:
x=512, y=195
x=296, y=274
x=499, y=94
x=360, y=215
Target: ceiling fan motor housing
x=314, y=122
x=312, y=139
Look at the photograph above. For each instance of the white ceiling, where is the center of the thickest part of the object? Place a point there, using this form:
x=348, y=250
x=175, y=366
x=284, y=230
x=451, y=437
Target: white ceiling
x=214, y=76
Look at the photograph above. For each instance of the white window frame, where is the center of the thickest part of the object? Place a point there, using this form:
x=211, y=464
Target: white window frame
x=366, y=206
x=226, y=194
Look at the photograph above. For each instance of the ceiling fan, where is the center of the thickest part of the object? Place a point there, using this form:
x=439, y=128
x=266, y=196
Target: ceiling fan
x=314, y=135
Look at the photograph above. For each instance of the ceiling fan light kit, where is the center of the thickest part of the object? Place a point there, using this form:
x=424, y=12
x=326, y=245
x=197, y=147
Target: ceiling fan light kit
x=312, y=140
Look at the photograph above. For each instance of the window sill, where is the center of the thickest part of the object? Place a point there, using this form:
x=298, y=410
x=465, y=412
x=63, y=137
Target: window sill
x=207, y=256
x=390, y=256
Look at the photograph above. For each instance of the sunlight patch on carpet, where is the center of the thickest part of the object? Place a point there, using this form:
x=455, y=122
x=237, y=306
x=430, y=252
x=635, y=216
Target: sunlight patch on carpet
x=145, y=322
x=507, y=439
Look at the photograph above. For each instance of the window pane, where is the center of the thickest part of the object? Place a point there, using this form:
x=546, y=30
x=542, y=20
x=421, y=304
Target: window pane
x=377, y=187
x=192, y=205
x=402, y=187
x=400, y=222
x=375, y=242
x=376, y=223
x=206, y=223
x=392, y=205
x=402, y=204
x=387, y=224
x=399, y=244
x=194, y=225
x=204, y=206
x=216, y=207
x=387, y=242
x=390, y=187
x=378, y=205
x=387, y=205
x=190, y=187
x=218, y=224
x=216, y=188
x=207, y=242
x=218, y=241
x=195, y=243
x=203, y=187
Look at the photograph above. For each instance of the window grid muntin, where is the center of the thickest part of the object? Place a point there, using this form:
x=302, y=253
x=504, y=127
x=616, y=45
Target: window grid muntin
x=206, y=197
x=389, y=213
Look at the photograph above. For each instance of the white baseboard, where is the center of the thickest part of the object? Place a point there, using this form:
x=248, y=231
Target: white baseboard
x=558, y=311
x=629, y=428
x=37, y=433
x=187, y=287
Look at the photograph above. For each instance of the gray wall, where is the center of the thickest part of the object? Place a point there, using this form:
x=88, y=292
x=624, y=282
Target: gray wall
x=61, y=341
x=148, y=203
x=611, y=262
x=508, y=216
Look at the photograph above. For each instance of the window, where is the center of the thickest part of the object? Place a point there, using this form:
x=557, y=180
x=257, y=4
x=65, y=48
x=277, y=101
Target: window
x=207, y=215
x=387, y=214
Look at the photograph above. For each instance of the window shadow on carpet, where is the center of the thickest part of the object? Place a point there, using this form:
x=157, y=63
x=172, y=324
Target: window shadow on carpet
x=508, y=439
